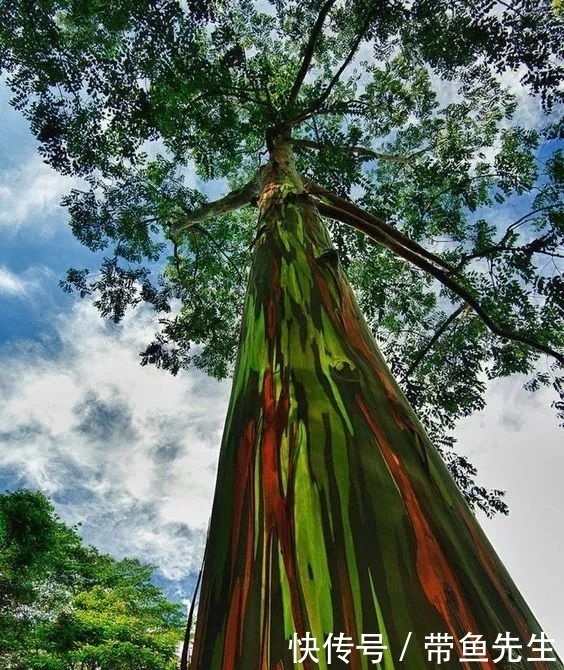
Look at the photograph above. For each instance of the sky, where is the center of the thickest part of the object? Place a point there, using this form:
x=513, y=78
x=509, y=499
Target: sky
x=130, y=452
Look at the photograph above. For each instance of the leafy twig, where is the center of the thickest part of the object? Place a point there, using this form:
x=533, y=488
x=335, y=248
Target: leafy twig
x=437, y=335
x=218, y=248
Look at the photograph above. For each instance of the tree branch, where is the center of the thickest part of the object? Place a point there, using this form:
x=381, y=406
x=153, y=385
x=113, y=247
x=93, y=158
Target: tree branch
x=437, y=335
x=524, y=218
x=187, y=282
x=229, y=203
x=393, y=238
x=536, y=246
x=309, y=50
x=218, y=248
x=327, y=92
x=242, y=95
x=355, y=151
x=363, y=224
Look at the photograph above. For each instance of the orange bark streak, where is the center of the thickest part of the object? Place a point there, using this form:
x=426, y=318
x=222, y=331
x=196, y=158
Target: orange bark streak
x=270, y=194
x=277, y=510
x=356, y=335
x=233, y=623
x=435, y=574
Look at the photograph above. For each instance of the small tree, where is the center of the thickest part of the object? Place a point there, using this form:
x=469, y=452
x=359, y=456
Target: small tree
x=333, y=512
x=65, y=606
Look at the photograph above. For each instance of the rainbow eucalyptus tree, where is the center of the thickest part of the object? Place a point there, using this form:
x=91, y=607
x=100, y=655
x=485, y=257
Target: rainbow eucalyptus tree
x=361, y=142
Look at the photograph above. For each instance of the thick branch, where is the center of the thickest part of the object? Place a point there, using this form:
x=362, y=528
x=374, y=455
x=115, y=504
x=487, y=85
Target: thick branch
x=309, y=50
x=375, y=232
x=376, y=226
x=229, y=203
x=359, y=152
x=327, y=92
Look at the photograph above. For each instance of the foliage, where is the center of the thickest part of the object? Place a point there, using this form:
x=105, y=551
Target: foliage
x=64, y=605
x=399, y=107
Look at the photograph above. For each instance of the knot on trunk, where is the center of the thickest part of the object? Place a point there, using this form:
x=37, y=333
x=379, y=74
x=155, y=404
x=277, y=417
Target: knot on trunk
x=344, y=371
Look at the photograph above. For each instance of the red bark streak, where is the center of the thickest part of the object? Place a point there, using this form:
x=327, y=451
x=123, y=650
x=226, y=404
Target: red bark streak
x=233, y=623
x=265, y=632
x=248, y=562
x=275, y=417
x=244, y=470
x=278, y=517
x=240, y=590
x=433, y=569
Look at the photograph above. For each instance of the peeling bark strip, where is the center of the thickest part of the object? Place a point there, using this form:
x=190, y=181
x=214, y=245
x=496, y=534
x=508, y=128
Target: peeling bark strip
x=333, y=513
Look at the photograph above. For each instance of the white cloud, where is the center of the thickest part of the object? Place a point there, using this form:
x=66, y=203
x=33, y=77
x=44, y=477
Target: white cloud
x=10, y=283
x=31, y=193
x=529, y=112
x=129, y=451
x=24, y=284
x=517, y=446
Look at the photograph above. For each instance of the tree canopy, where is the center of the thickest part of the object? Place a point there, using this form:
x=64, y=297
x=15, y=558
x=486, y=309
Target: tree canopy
x=446, y=210
x=394, y=123
x=63, y=605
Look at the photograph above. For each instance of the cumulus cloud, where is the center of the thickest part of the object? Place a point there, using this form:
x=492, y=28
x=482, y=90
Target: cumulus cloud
x=32, y=192
x=128, y=451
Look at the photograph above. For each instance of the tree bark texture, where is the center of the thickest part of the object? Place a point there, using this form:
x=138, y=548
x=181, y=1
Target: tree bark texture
x=333, y=513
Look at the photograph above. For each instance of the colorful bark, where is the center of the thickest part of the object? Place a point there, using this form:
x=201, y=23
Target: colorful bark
x=333, y=513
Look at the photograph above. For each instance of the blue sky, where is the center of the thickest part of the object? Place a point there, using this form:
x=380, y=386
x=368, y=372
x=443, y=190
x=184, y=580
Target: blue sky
x=131, y=452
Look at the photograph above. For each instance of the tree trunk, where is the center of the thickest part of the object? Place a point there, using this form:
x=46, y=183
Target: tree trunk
x=333, y=513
